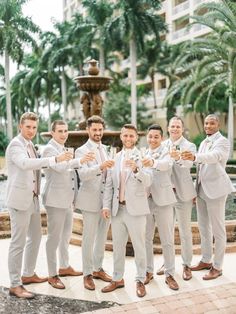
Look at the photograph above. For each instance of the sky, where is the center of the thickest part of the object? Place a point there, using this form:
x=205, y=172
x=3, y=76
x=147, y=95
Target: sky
x=43, y=11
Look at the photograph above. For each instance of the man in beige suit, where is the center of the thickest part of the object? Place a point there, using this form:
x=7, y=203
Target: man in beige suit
x=58, y=198
x=161, y=198
x=125, y=200
x=23, y=187
x=89, y=201
x=183, y=186
x=213, y=185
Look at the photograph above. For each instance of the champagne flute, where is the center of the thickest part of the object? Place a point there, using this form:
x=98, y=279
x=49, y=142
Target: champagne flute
x=70, y=150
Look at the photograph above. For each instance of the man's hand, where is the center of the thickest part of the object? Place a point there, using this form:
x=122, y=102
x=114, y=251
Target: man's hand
x=147, y=162
x=186, y=155
x=175, y=154
x=65, y=156
x=87, y=157
x=130, y=163
x=107, y=164
x=106, y=213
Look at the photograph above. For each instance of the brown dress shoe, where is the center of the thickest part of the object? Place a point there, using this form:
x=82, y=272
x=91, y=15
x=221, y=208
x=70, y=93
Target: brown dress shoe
x=113, y=285
x=200, y=266
x=149, y=277
x=213, y=274
x=170, y=281
x=33, y=279
x=140, y=289
x=101, y=274
x=56, y=282
x=21, y=292
x=69, y=271
x=161, y=270
x=187, y=274
x=88, y=282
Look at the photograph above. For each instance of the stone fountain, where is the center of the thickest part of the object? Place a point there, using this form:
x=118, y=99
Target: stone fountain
x=92, y=102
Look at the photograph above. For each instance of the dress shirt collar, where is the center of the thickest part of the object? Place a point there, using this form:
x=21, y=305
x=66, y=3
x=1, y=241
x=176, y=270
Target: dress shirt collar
x=177, y=142
x=26, y=142
x=93, y=144
x=213, y=137
x=59, y=147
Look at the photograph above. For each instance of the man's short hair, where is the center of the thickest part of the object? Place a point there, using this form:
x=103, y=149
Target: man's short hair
x=176, y=118
x=130, y=127
x=57, y=122
x=156, y=127
x=28, y=116
x=95, y=119
x=213, y=116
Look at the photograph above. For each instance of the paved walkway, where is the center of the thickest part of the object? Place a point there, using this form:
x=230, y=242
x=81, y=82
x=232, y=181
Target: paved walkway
x=219, y=299
x=194, y=296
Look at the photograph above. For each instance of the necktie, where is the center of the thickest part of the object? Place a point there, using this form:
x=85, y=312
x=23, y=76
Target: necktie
x=123, y=175
x=102, y=157
x=32, y=154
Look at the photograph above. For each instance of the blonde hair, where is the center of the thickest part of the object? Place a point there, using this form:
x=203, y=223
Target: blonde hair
x=28, y=116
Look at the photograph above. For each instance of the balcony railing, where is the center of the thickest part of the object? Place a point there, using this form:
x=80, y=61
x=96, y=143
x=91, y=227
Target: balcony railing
x=199, y=27
x=180, y=33
x=180, y=8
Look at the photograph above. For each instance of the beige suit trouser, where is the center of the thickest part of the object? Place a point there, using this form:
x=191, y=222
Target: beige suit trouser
x=183, y=211
x=60, y=221
x=95, y=229
x=25, y=239
x=123, y=225
x=163, y=218
x=211, y=222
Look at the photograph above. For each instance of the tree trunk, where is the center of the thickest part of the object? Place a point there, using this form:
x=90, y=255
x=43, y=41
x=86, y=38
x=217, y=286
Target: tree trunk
x=231, y=125
x=8, y=96
x=36, y=106
x=133, y=81
x=231, y=112
x=48, y=103
x=63, y=93
x=101, y=60
x=153, y=89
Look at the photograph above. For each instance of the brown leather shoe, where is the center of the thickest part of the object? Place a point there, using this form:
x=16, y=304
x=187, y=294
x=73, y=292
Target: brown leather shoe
x=101, y=274
x=149, y=277
x=56, y=282
x=69, y=271
x=21, y=292
x=170, y=281
x=187, y=274
x=213, y=274
x=89, y=283
x=161, y=270
x=140, y=289
x=33, y=279
x=113, y=285
x=200, y=266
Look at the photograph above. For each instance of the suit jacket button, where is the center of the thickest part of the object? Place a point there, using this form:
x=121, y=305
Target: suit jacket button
x=73, y=188
x=102, y=192
x=72, y=179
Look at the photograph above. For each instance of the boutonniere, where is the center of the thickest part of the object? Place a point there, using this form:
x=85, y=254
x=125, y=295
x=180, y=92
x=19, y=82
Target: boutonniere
x=155, y=155
x=209, y=144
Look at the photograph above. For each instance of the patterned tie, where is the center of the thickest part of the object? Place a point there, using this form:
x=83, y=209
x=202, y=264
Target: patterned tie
x=123, y=175
x=32, y=154
x=102, y=157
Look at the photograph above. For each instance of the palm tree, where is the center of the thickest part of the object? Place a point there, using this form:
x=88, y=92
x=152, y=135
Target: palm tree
x=15, y=31
x=99, y=13
x=134, y=20
x=212, y=60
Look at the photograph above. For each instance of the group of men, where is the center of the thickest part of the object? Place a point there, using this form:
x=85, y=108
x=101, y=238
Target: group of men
x=135, y=192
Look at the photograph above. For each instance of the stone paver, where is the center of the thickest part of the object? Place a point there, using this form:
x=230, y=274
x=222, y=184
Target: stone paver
x=216, y=300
